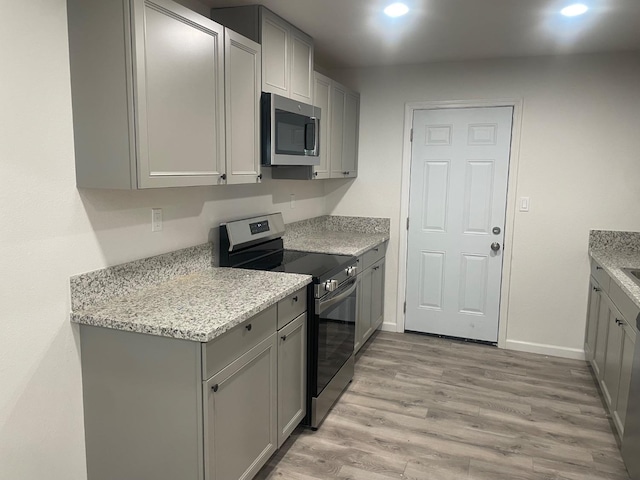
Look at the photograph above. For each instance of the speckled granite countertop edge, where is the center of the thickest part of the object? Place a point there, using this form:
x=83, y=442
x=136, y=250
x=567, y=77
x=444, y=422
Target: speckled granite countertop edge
x=613, y=261
x=187, y=330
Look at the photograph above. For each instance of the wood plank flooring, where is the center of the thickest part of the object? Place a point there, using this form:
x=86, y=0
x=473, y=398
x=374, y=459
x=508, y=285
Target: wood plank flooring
x=424, y=408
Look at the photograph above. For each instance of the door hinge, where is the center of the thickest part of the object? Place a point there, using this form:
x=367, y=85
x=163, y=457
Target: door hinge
x=411, y=136
x=405, y=307
x=407, y=223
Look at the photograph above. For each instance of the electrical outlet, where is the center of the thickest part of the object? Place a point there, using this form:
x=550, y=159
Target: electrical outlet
x=292, y=198
x=156, y=219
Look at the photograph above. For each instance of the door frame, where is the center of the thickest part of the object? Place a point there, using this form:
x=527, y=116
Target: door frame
x=512, y=195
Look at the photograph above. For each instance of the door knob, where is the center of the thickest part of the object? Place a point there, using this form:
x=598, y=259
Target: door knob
x=495, y=246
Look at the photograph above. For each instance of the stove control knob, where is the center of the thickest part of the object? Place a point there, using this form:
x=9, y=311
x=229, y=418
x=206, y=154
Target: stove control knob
x=352, y=271
x=330, y=285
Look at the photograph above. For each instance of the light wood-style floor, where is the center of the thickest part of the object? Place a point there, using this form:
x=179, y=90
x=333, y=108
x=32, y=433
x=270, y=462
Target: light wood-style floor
x=433, y=409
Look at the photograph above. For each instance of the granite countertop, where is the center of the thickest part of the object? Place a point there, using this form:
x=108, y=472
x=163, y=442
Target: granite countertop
x=615, y=251
x=200, y=306
x=337, y=235
x=336, y=243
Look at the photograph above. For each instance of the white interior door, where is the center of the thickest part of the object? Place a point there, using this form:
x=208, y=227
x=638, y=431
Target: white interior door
x=457, y=203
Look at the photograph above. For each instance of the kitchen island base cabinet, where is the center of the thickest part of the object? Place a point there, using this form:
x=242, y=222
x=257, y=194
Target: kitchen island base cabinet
x=242, y=414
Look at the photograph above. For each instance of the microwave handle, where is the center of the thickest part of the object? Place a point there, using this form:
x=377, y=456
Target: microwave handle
x=316, y=137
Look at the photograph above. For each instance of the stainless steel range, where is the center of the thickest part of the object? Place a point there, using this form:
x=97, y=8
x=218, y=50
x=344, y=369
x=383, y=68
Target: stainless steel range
x=256, y=243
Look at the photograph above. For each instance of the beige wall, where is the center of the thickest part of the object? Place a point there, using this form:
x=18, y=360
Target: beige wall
x=49, y=231
x=579, y=164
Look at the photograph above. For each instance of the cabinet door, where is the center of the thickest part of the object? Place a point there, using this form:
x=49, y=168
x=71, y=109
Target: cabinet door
x=377, y=295
x=276, y=70
x=292, y=376
x=179, y=92
x=241, y=421
x=350, y=136
x=338, y=94
x=628, y=346
x=243, y=83
x=613, y=358
x=322, y=99
x=364, y=326
x=301, y=67
x=604, y=312
x=592, y=321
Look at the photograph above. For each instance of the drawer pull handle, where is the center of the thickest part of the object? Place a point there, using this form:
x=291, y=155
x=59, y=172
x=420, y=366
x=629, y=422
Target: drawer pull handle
x=295, y=299
x=598, y=267
x=376, y=268
x=215, y=388
x=619, y=322
x=248, y=327
x=283, y=337
x=596, y=289
x=376, y=249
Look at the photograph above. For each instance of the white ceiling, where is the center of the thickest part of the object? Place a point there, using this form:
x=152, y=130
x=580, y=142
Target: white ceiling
x=355, y=33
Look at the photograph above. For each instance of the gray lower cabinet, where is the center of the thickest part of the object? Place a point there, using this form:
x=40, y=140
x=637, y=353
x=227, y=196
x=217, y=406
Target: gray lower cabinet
x=242, y=414
x=292, y=376
x=370, y=295
x=592, y=319
x=610, y=341
x=165, y=409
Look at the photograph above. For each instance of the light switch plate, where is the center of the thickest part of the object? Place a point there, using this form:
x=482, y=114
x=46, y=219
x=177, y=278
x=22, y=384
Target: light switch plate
x=524, y=204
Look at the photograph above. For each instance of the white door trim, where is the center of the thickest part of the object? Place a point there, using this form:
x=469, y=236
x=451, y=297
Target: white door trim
x=514, y=156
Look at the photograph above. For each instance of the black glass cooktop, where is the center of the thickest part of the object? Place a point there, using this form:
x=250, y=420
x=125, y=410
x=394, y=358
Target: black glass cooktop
x=319, y=265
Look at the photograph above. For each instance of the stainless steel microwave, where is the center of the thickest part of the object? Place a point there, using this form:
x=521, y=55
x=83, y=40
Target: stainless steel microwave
x=290, y=132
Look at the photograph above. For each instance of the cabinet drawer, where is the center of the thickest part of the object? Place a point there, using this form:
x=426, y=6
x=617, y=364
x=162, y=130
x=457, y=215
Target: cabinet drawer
x=221, y=351
x=372, y=256
x=600, y=275
x=627, y=308
x=291, y=307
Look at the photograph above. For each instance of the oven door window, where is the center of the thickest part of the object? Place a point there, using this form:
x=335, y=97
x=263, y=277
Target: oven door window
x=336, y=336
x=294, y=133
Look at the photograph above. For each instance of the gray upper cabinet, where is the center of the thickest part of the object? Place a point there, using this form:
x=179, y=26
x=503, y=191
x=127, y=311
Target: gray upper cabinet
x=350, y=138
x=243, y=82
x=322, y=99
x=148, y=94
x=287, y=52
x=343, y=128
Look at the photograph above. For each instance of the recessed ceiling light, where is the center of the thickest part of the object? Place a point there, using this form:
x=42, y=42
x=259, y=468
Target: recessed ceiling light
x=396, y=10
x=574, y=10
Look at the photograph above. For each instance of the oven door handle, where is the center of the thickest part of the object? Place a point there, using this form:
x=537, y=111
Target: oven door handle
x=322, y=305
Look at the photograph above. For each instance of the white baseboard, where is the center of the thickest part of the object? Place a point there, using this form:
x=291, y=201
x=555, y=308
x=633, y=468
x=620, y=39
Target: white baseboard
x=389, y=327
x=551, y=350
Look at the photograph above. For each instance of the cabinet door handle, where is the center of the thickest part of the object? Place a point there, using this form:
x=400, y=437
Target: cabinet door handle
x=376, y=249
x=283, y=337
x=260, y=177
x=376, y=268
x=295, y=299
x=596, y=289
x=215, y=388
x=223, y=176
x=248, y=327
x=598, y=267
x=619, y=322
